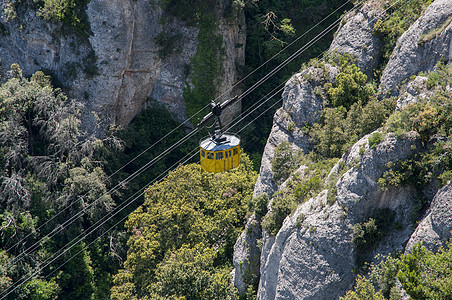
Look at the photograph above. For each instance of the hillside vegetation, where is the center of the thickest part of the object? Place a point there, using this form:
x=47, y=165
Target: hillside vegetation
x=176, y=237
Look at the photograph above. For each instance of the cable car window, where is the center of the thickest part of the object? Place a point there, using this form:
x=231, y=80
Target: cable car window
x=226, y=154
x=220, y=155
x=203, y=153
x=229, y=153
x=209, y=155
x=236, y=151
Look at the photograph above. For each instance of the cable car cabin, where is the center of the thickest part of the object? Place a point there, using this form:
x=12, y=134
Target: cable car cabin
x=221, y=153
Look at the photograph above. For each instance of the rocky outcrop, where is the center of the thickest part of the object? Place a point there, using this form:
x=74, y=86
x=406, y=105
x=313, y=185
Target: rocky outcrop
x=312, y=256
x=415, y=91
x=419, y=49
x=247, y=255
x=357, y=190
x=302, y=104
x=435, y=228
x=355, y=37
x=129, y=57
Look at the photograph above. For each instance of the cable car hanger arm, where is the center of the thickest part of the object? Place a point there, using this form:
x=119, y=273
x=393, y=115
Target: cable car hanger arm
x=217, y=109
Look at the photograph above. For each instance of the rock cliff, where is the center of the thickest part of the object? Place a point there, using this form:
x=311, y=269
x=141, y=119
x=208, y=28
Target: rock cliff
x=301, y=106
x=314, y=255
x=355, y=36
x=134, y=51
x=426, y=42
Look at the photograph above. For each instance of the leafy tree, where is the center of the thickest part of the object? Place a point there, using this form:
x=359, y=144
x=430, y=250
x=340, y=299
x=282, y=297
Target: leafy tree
x=188, y=208
x=425, y=275
x=282, y=206
x=285, y=160
x=339, y=129
x=190, y=272
x=76, y=278
x=47, y=166
x=350, y=86
x=329, y=135
x=259, y=205
x=41, y=289
x=364, y=290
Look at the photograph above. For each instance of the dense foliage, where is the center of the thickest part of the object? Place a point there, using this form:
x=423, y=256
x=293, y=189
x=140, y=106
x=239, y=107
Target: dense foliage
x=271, y=26
x=422, y=273
x=48, y=167
x=182, y=237
x=69, y=14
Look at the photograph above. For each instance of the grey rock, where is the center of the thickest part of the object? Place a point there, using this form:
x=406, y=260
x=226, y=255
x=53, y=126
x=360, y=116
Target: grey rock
x=357, y=190
x=129, y=67
x=311, y=260
x=415, y=91
x=301, y=105
x=246, y=256
x=355, y=36
x=314, y=259
x=411, y=55
x=434, y=229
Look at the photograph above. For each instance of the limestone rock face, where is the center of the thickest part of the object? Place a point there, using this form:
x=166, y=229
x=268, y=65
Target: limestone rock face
x=120, y=65
x=414, y=91
x=434, y=229
x=301, y=105
x=247, y=255
x=358, y=190
x=420, y=47
x=312, y=256
x=355, y=36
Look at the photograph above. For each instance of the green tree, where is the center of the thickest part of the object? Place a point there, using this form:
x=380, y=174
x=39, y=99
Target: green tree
x=426, y=275
x=350, y=85
x=47, y=166
x=329, y=135
x=285, y=160
x=190, y=273
x=364, y=290
x=188, y=208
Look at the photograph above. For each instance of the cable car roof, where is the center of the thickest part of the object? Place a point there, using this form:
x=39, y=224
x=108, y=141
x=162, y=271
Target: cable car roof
x=232, y=140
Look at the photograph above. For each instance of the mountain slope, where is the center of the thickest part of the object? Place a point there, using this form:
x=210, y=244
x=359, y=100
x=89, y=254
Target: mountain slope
x=392, y=162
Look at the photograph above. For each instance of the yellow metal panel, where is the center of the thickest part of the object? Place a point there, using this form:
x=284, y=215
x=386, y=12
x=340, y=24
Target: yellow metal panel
x=210, y=163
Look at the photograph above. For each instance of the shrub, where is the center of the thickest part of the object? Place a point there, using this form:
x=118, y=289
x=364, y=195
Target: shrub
x=338, y=129
x=350, y=86
x=259, y=205
x=300, y=220
x=329, y=134
x=282, y=206
x=367, y=234
x=285, y=161
x=307, y=188
x=375, y=139
x=331, y=196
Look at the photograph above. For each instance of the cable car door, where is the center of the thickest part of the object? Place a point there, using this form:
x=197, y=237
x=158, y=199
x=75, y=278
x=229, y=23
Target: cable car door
x=228, y=160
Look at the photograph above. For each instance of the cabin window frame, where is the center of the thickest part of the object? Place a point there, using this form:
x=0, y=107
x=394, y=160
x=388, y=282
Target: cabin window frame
x=210, y=155
x=219, y=155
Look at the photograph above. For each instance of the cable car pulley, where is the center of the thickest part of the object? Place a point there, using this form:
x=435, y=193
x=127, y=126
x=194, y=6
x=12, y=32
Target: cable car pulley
x=221, y=150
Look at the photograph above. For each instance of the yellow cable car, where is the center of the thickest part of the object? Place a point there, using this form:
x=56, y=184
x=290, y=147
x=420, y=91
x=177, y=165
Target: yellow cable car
x=221, y=151
x=218, y=155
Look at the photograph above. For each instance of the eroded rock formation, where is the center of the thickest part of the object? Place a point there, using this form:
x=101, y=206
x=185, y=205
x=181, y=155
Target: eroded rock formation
x=120, y=64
